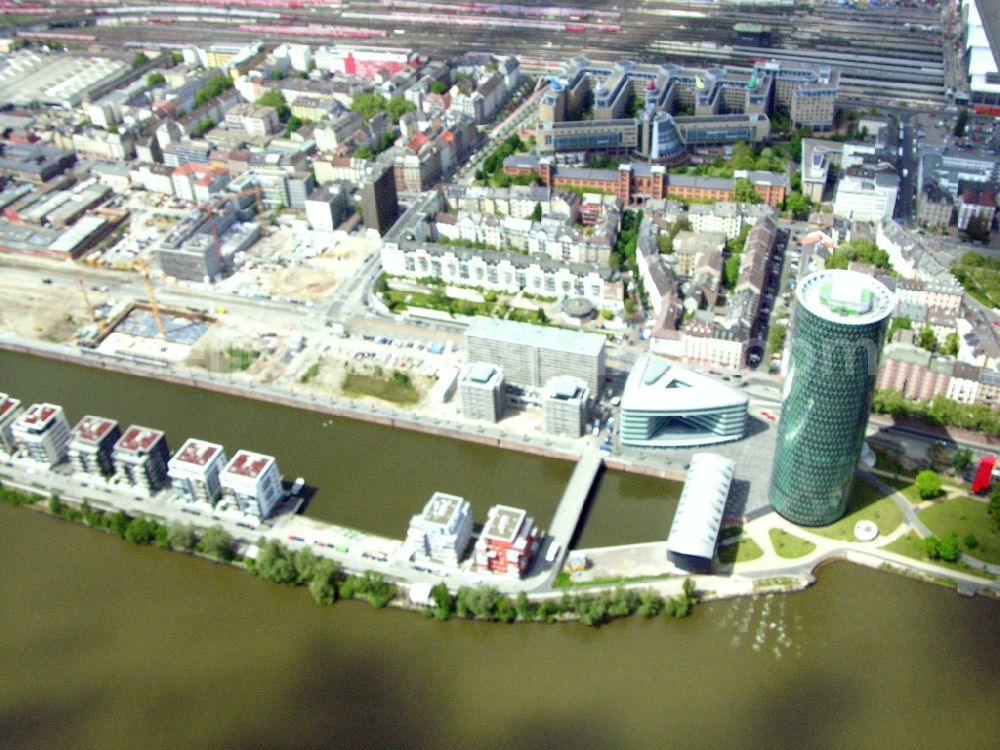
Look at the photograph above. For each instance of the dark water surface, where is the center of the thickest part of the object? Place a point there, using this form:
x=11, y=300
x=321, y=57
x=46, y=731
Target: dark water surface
x=106, y=645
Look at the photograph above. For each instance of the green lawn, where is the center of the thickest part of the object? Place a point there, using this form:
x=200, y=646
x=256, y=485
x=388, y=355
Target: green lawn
x=788, y=545
x=744, y=550
x=906, y=488
x=867, y=503
x=356, y=384
x=962, y=516
x=910, y=545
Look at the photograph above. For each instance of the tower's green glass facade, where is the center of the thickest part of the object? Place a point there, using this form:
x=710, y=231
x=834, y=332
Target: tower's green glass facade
x=838, y=328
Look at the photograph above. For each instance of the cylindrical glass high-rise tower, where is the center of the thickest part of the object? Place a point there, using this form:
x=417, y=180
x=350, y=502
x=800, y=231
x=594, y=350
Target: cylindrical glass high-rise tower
x=837, y=332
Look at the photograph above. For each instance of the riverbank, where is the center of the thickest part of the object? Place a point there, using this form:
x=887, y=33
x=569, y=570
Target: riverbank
x=333, y=406
x=327, y=583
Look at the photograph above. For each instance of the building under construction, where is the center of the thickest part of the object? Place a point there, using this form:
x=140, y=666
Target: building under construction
x=201, y=248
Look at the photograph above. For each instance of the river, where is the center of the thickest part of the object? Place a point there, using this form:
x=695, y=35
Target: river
x=104, y=644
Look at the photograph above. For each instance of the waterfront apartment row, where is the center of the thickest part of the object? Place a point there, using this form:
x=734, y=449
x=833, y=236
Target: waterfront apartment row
x=140, y=458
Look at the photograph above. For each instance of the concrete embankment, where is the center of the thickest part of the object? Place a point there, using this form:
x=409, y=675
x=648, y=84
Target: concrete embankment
x=331, y=405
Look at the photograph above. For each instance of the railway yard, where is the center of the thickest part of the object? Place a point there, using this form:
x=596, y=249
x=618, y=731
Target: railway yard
x=893, y=55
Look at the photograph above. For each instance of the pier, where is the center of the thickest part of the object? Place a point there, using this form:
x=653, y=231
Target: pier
x=574, y=497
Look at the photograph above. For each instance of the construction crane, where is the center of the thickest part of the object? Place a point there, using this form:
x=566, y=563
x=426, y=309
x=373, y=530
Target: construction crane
x=212, y=207
x=86, y=299
x=144, y=270
x=261, y=217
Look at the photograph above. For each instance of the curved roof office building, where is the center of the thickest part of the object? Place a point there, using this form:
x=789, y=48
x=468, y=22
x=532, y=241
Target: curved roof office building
x=838, y=328
x=668, y=406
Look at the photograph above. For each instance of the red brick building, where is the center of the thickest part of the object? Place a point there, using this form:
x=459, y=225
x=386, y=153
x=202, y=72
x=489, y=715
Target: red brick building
x=507, y=542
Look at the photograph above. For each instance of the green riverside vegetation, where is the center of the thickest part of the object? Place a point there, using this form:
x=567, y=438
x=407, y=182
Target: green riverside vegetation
x=327, y=582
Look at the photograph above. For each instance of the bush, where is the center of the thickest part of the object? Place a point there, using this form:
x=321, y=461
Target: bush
x=970, y=541
x=928, y=484
x=323, y=584
x=215, y=542
x=141, y=530
x=932, y=547
x=116, y=523
x=181, y=538
x=275, y=563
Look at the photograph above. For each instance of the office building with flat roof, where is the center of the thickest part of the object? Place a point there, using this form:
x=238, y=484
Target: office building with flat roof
x=10, y=409
x=666, y=405
x=379, y=202
x=658, y=111
x=529, y=354
x=195, y=470
x=42, y=433
x=481, y=392
x=442, y=531
x=838, y=328
x=254, y=481
x=92, y=445
x=564, y=406
x=141, y=456
x=507, y=542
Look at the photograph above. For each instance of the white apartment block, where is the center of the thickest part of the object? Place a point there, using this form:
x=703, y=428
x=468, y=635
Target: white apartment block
x=442, y=531
x=254, y=481
x=10, y=409
x=42, y=433
x=506, y=272
x=195, y=470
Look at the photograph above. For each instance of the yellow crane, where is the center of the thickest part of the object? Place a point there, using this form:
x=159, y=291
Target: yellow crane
x=144, y=270
x=86, y=299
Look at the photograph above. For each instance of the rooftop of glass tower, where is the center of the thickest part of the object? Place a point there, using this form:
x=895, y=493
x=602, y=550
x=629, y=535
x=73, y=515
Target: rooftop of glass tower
x=845, y=297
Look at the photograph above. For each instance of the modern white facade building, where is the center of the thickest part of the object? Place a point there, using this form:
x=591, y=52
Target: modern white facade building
x=254, y=481
x=195, y=469
x=42, y=433
x=665, y=405
x=141, y=456
x=442, y=531
x=866, y=195
x=695, y=529
x=92, y=445
x=10, y=408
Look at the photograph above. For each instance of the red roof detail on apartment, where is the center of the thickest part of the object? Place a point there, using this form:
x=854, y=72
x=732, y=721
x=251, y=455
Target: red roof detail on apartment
x=7, y=404
x=248, y=464
x=138, y=439
x=93, y=429
x=38, y=414
x=196, y=452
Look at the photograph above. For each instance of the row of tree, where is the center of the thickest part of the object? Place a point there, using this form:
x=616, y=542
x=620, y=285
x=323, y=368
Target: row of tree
x=940, y=410
x=322, y=576
x=214, y=542
x=486, y=603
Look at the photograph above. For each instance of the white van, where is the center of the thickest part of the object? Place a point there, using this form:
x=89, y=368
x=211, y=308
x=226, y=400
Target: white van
x=552, y=552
